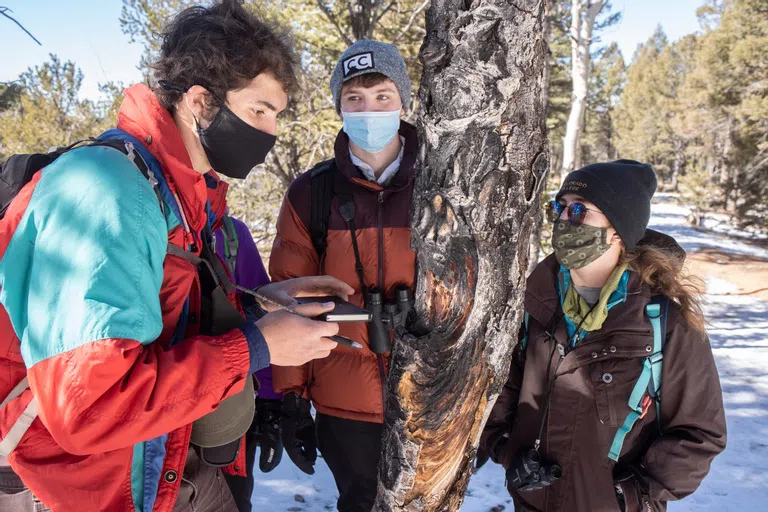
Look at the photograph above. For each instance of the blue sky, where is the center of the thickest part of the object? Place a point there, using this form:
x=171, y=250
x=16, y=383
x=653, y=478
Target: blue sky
x=88, y=32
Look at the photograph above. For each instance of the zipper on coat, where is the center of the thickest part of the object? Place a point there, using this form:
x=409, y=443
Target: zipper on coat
x=379, y=357
x=379, y=209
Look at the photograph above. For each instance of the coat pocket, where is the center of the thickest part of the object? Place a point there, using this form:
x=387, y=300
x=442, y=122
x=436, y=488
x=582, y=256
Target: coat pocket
x=614, y=380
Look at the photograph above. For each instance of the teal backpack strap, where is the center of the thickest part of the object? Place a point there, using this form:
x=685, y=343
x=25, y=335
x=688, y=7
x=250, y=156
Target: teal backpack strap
x=650, y=378
x=526, y=321
x=231, y=243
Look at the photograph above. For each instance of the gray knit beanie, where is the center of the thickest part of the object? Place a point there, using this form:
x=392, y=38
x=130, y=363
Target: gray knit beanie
x=366, y=56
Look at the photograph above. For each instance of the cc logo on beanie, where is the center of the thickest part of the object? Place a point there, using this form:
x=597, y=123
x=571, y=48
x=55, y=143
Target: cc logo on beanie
x=358, y=62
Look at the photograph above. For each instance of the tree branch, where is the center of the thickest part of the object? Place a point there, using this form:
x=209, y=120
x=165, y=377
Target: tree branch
x=411, y=21
x=329, y=14
x=5, y=10
x=383, y=13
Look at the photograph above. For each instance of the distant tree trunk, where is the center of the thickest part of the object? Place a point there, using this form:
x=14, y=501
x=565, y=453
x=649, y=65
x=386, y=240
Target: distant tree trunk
x=480, y=172
x=583, y=16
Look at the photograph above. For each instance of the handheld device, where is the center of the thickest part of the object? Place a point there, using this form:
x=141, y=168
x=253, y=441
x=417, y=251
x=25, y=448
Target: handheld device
x=342, y=312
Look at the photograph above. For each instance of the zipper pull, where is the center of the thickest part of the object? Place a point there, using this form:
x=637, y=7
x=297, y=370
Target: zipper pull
x=381, y=196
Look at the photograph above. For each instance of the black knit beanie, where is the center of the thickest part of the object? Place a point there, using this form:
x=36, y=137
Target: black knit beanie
x=622, y=190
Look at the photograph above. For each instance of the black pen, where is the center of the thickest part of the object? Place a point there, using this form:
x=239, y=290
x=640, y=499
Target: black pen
x=338, y=339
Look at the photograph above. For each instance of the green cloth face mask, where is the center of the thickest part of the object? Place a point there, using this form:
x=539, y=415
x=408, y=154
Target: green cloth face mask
x=578, y=246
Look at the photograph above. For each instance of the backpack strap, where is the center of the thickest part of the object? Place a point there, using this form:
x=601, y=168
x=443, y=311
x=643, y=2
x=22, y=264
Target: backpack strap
x=153, y=171
x=22, y=424
x=526, y=322
x=650, y=379
x=324, y=185
x=658, y=303
x=320, y=209
x=231, y=243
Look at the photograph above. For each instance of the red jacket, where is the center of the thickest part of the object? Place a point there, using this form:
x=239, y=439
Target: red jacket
x=99, y=399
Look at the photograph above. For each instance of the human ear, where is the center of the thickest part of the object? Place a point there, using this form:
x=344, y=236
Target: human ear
x=197, y=100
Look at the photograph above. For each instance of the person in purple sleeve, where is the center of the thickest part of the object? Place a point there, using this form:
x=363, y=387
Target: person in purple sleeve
x=235, y=245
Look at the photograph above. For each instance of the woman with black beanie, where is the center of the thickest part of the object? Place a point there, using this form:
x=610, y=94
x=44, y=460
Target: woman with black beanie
x=613, y=400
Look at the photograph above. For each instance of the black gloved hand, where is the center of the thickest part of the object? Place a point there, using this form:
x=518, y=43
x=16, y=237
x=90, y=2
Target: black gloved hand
x=266, y=431
x=298, y=432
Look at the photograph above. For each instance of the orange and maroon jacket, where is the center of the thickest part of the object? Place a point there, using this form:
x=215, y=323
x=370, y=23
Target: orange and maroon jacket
x=347, y=384
x=90, y=306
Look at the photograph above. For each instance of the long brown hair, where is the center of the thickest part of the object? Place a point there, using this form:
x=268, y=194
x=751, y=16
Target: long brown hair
x=664, y=272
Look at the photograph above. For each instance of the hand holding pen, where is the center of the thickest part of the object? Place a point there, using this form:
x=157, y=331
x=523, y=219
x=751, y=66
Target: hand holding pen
x=272, y=305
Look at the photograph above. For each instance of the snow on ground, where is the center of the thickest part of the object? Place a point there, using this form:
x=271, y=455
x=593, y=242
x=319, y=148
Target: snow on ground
x=739, y=337
x=670, y=219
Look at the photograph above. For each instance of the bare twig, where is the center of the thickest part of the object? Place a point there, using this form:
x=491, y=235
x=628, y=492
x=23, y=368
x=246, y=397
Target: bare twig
x=332, y=18
x=376, y=19
x=411, y=21
x=5, y=10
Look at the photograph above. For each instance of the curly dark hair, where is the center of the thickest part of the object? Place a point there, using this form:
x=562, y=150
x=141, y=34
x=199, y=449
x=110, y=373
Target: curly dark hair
x=222, y=48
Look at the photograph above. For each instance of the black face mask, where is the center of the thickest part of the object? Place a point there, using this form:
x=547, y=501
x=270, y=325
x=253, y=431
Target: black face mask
x=234, y=147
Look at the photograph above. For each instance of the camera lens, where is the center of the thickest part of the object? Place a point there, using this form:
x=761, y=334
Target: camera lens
x=403, y=294
x=554, y=472
x=375, y=297
x=534, y=456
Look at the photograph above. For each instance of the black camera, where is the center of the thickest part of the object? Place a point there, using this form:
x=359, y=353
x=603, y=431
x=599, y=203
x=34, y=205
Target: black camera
x=529, y=473
x=387, y=316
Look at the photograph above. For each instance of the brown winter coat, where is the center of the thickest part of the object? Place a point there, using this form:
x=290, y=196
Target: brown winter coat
x=585, y=411
x=347, y=384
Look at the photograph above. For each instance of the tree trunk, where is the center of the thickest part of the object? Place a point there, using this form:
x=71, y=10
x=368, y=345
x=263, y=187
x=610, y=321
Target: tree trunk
x=481, y=167
x=535, y=242
x=583, y=18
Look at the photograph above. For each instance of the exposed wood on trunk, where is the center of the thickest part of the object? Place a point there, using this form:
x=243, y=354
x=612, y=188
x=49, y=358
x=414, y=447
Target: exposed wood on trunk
x=483, y=156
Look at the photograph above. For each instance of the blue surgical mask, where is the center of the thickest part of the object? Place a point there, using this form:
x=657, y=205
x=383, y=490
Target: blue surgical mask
x=371, y=131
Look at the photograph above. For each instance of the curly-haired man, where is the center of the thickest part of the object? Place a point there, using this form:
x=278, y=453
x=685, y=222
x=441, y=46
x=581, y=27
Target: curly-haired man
x=127, y=352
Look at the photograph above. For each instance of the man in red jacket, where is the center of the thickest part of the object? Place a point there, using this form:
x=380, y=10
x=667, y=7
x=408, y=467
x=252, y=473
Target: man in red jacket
x=122, y=340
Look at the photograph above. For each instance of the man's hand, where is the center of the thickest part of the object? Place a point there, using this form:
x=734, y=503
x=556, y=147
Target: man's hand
x=298, y=431
x=293, y=340
x=284, y=293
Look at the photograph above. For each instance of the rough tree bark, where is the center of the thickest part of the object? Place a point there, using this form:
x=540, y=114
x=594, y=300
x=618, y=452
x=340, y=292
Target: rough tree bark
x=483, y=155
x=534, y=250
x=583, y=16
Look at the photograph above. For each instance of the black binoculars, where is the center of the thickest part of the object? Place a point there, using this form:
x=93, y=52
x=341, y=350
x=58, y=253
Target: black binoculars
x=387, y=316
x=529, y=473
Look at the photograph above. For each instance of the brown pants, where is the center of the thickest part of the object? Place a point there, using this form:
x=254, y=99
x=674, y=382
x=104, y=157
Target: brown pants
x=203, y=489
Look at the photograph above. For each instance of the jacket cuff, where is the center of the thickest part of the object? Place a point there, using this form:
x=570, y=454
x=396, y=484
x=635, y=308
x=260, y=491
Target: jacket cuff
x=257, y=346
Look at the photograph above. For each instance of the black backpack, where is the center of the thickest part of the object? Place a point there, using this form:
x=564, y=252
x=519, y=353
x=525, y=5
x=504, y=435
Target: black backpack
x=19, y=169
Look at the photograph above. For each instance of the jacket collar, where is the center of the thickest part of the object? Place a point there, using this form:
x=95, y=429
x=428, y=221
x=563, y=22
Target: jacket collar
x=542, y=297
x=404, y=176
x=142, y=116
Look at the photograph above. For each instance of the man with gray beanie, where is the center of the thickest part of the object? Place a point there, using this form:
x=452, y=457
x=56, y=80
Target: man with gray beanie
x=349, y=217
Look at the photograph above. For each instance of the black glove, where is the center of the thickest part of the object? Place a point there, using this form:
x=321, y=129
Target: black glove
x=266, y=433
x=298, y=432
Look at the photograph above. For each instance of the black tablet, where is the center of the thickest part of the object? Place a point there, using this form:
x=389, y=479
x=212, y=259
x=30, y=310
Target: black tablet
x=343, y=312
